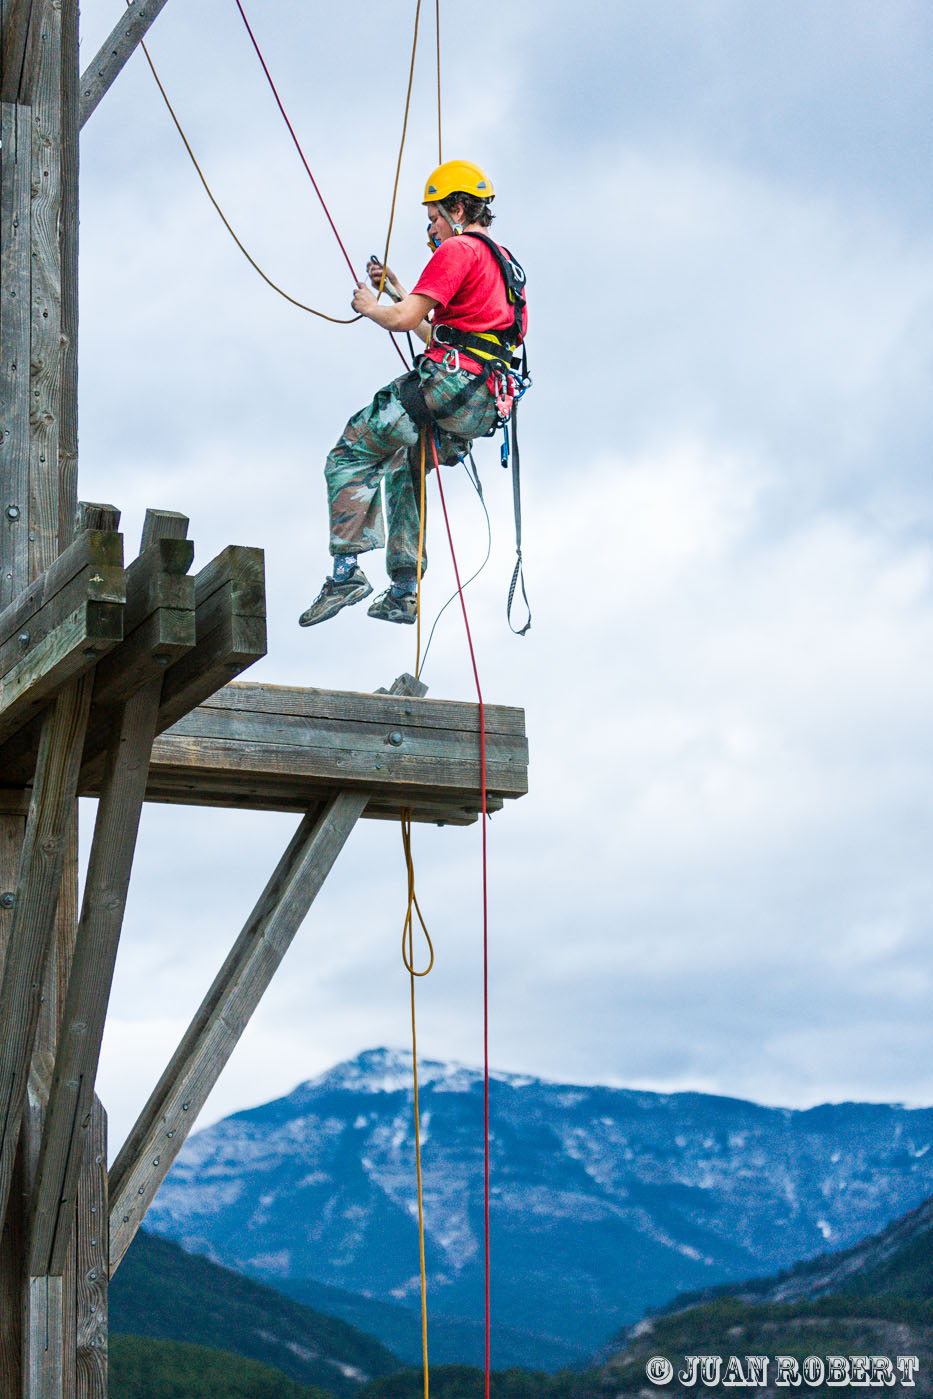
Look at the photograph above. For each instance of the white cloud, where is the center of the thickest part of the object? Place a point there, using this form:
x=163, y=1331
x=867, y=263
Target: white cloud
x=720, y=876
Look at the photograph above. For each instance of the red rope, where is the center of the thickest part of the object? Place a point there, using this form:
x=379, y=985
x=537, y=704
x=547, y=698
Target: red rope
x=482, y=742
x=295, y=139
x=307, y=167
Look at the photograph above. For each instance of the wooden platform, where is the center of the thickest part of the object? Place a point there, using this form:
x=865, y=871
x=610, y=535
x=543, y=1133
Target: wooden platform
x=277, y=748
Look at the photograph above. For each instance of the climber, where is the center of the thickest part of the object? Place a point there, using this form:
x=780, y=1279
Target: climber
x=469, y=306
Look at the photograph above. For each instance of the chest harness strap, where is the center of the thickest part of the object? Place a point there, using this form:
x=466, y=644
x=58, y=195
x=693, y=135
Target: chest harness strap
x=495, y=349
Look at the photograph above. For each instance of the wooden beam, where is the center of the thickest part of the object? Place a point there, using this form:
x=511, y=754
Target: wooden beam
x=169, y=1115
x=78, y=628
x=230, y=595
x=15, y=75
x=48, y=361
x=68, y=252
x=51, y=812
x=280, y=747
x=15, y=262
x=106, y=66
x=94, y=552
x=158, y=622
x=92, y=1262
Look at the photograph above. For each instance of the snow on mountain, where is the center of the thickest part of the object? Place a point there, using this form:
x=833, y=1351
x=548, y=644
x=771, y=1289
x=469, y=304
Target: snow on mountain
x=604, y=1201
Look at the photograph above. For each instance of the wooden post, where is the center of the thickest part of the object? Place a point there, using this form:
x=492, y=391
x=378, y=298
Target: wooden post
x=51, y=813
x=92, y=1263
x=69, y=1114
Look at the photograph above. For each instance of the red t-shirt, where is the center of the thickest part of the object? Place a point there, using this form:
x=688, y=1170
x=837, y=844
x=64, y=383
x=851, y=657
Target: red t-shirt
x=464, y=279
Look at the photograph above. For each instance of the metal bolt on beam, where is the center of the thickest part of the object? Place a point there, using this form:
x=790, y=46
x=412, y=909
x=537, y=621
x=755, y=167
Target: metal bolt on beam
x=7, y=900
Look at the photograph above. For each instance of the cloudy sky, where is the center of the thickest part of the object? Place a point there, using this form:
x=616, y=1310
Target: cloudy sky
x=721, y=878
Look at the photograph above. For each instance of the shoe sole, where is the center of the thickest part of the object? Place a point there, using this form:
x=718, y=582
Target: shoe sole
x=404, y=617
x=333, y=606
x=378, y=615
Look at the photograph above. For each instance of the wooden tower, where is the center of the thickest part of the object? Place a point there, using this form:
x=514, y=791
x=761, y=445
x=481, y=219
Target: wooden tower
x=115, y=683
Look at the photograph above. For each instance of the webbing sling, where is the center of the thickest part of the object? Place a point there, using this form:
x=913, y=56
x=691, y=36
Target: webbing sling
x=518, y=575
x=411, y=394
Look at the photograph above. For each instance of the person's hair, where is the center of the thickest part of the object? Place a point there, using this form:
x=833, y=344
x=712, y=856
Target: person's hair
x=474, y=210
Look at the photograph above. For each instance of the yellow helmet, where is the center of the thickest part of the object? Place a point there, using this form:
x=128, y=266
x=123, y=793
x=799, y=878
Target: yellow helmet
x=457, y=176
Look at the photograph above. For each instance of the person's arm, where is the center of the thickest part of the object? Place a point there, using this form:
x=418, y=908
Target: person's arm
x=408, y=314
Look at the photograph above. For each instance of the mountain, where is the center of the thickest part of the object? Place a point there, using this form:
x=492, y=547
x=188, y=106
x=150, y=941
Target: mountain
x=139, y=1368
x=161, y=1292
x=605, y=1201
x=895, y=1264
x=873, y=1299
x=450, y=1339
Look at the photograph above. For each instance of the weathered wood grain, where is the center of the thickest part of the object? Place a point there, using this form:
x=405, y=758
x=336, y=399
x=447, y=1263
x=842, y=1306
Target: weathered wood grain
x=94, y=514
x=50, y=815
x=15, y=168
x=92, y=1263
x=94, y=550
x=280, y=748
x=167, y=1118
x=69, y=1113
x=12, y=1233
x=68, y=653
x=159, y=625
x=163, y=524
x=68, y=252
x=46, y=348
x=92, y=585
x=11, y=1292
x=198, y=788
x=307, y=702
x=107, y=64
x=231, y=631
x=15, y=68
x=49, y=1328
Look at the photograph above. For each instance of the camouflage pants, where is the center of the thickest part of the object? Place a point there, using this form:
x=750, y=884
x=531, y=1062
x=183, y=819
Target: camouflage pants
x=383, y=441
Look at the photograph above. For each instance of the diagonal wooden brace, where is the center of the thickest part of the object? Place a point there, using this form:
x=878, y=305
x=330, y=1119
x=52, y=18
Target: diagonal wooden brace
x=51, y=812
x=168, y=1117
x=69, y=1113
x=108, y=63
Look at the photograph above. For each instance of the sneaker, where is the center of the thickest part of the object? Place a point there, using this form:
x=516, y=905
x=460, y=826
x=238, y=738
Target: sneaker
x=389, y=608
x=333, y=596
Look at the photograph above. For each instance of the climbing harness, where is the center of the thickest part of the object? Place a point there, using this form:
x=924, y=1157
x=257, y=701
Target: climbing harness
x=493, y=347
x=508, y=380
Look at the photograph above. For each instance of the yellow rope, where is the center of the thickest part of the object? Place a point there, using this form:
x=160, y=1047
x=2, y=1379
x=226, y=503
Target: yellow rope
x=408, y=957
x=398, y=167
x=420, y=557
x=437, y=30
x=336, y=320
